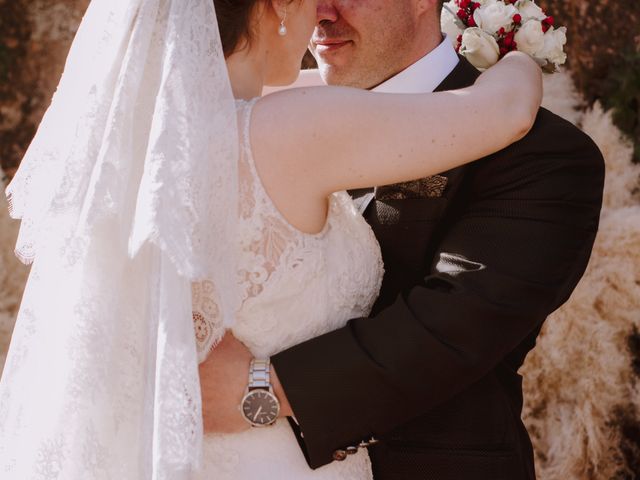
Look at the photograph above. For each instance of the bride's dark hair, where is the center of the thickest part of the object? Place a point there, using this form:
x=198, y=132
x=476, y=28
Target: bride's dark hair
x=234, y=22
x=234, y=18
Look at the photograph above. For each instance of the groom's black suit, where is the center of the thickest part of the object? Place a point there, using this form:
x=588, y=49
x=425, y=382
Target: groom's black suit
x=470, y=277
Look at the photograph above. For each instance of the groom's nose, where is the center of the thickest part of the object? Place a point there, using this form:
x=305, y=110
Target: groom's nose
x=327, y=11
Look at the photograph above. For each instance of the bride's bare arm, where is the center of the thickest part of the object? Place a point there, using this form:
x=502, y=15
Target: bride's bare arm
x=329, y=139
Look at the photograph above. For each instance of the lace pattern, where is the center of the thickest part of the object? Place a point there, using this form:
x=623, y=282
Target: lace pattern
x=294, y=286
x=274, y=252
x=126, y=194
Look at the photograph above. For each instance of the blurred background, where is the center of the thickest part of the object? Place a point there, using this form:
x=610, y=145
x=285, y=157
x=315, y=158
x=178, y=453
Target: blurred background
x=582, y=381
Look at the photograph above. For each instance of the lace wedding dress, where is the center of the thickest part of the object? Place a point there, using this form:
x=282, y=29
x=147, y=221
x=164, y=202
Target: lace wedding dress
x=296, y=286
x=127, y=195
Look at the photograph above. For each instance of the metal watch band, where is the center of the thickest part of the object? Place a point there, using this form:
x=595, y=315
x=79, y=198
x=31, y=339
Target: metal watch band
x=260, y=373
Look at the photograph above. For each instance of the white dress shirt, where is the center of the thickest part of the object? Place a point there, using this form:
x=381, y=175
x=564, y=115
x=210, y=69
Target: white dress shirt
x=424, y=75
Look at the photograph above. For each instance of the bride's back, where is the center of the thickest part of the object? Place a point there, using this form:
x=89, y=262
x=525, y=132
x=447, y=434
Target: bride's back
x=294, y=285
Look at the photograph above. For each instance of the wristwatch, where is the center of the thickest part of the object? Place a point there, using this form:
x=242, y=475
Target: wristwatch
x=259, y=406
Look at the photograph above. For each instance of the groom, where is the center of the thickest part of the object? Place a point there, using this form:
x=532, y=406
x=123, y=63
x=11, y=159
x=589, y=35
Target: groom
x=475, y=260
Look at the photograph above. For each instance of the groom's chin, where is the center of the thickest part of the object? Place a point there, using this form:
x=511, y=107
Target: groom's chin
x=338, y=76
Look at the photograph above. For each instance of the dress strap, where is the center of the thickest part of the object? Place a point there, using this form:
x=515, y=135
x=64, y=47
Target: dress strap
x=245, y=107
x=261, y=200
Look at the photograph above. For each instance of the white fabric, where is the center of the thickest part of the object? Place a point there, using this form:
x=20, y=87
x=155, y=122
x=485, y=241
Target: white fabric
x=424, y=75
x=296, y=286
x=127, y=194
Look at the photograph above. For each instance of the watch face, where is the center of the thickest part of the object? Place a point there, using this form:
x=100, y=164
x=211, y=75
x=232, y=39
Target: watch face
x=260, y=407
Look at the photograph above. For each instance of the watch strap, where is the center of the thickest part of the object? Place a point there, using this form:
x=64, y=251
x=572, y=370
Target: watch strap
x=260, y=374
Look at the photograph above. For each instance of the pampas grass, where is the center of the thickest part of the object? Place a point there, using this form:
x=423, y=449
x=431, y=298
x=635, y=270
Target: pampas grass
x=581, y=391
x=13, y=275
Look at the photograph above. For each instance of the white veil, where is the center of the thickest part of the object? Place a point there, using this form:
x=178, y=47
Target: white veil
x=127, y=194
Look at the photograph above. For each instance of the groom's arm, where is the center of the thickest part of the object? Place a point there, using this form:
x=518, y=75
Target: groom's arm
x=511, y=258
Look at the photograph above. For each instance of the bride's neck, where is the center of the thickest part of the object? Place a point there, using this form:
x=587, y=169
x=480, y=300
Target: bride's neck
x=247, y=73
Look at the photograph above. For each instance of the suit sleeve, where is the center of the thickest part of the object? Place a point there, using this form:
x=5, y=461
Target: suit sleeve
x=514, y=253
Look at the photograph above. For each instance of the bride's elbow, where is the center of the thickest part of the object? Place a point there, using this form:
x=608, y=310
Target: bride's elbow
x=524, y=121
x=526, y=111
x=521, y=100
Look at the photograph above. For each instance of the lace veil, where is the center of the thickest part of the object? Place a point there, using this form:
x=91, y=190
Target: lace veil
x=127, y=194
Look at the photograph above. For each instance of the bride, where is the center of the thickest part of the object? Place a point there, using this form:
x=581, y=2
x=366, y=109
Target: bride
x=160, y=189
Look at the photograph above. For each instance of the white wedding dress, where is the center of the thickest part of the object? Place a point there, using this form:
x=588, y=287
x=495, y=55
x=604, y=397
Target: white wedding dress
x=127, y=195
x=296, y=286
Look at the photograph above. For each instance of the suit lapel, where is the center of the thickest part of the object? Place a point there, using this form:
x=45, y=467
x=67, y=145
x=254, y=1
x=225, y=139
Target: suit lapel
x=462, y=76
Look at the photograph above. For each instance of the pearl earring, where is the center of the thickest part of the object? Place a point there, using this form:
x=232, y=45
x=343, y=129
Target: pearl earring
x=282, y=30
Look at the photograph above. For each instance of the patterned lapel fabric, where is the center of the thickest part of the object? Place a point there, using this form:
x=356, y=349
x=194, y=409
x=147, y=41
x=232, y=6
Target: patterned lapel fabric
x=428, y=187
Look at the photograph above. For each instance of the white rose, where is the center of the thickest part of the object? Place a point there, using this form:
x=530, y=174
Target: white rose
x=449, y=22
x=553, y=47
x=480, y=48
x=529, y=10
x=491, y=17
x=530, y=37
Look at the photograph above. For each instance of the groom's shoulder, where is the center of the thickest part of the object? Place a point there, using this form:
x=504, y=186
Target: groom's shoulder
x=552, y=135
x=552, y=139
x=554, y=156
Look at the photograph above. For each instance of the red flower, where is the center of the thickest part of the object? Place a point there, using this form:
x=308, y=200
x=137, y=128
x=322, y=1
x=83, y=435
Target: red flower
x=517, y=19
x=471, y=21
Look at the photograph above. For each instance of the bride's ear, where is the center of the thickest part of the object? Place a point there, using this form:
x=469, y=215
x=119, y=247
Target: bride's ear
x=279, y=8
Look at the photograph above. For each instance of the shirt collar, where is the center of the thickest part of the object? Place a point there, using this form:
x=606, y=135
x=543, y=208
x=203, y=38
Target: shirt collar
x=425, y=74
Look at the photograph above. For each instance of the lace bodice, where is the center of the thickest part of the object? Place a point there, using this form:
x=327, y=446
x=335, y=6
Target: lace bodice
x=289, y=278
x=295, y=286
